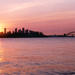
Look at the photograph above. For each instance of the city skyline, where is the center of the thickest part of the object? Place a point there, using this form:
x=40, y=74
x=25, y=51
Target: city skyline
x=28, y=33
x=50, y=17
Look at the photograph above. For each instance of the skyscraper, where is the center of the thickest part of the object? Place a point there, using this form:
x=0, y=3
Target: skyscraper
x=4, y=30
x=23, y=30
x=15, y=30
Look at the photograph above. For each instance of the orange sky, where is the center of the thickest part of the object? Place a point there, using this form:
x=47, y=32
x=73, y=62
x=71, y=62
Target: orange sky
x=48, y=16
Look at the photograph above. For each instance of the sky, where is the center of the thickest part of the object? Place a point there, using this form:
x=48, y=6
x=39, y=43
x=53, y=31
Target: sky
x=47, y=16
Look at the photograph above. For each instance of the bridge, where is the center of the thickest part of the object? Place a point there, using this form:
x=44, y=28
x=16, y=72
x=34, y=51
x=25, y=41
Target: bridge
x=71, y=33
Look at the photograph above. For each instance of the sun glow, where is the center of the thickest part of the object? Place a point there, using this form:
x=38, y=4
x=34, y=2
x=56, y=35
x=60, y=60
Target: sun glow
x=1, y=27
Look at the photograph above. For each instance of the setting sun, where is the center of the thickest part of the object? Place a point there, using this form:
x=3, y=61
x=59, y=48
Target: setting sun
x=1, y=27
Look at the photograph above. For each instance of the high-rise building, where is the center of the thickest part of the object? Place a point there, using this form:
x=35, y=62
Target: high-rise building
x=15, y=30
x=19, y=31
x=4, y=30
x=23, y=30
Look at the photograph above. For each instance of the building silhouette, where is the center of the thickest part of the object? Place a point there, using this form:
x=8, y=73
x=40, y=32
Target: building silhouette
x=23, y=30
x=15, y=30
x=25, y=33
x=4, y=30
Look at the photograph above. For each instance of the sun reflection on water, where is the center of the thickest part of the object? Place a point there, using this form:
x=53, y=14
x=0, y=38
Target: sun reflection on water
x=1, y=71
x=1, y=59
x=1, y=56
x=1, y=53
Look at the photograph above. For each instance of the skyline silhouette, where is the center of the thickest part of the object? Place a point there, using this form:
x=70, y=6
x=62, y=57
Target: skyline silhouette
x=23, y=33
x=20, y=33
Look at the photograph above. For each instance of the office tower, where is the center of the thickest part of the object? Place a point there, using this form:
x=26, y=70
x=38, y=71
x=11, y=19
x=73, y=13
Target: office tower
x=15, y=30
x=23, y=30
x=4, y=30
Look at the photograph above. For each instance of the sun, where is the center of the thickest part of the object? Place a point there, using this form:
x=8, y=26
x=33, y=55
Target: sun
x=1, y=27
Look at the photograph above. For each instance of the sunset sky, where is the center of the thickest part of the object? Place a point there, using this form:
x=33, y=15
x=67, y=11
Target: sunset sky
x=48, y=16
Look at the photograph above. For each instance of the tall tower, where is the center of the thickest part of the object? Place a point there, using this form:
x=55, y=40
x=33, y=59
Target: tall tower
x=15, y=30
x=4, y=30
x=23, y=30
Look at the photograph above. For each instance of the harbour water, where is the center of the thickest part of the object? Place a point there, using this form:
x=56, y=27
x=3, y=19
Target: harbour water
x=37, y=56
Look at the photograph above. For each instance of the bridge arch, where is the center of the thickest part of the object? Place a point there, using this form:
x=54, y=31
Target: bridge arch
x=71, y=33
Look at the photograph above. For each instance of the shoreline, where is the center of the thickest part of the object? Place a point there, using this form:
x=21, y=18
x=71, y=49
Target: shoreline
x=43, y=37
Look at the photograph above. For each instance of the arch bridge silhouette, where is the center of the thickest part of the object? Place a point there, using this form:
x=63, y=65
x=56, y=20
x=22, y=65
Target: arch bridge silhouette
x=71, y=33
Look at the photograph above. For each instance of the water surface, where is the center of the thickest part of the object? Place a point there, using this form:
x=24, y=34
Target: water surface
x=37, y=56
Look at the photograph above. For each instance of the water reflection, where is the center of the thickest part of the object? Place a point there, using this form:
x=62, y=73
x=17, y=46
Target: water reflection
x=37, y=56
